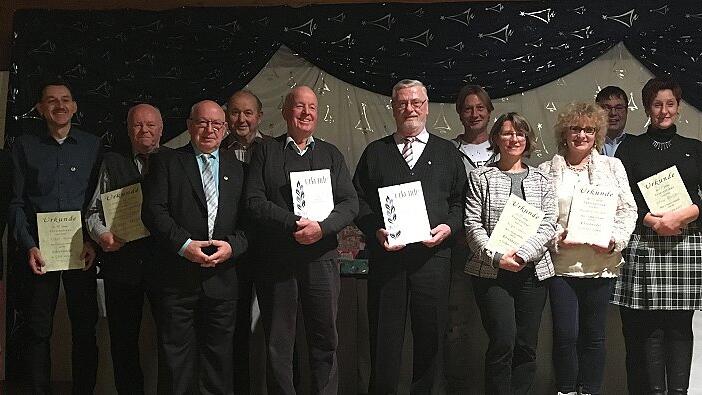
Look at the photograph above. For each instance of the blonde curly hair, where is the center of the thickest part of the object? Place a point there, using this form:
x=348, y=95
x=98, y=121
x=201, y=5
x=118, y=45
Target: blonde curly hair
x=571, y=115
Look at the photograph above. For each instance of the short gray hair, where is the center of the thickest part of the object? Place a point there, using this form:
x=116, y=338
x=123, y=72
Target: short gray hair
x=130, y=112
x=407, y=83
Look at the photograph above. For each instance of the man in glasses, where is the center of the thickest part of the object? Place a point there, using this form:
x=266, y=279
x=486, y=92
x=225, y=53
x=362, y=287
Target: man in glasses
x=300, y=262
x=615, y=101
x=415, y=276
x=191, y=206
x=127, y=268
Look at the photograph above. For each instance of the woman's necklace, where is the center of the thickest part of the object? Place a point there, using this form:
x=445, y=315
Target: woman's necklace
x=661, y=145
x=579, y=168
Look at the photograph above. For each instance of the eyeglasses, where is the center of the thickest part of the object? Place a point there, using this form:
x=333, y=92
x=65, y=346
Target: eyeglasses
x=589, y=130
x=403, y=105
x=617, y=108
x=204, y=123
x=517, y=135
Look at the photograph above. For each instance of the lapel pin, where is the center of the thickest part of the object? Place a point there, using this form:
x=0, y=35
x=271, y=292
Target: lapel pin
x=73, y=168
x=226, y=178
x=429, y=162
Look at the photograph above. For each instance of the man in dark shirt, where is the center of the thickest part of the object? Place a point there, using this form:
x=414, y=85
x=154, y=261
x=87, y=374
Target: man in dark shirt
x=127, y=268
x=301, y=260
x=415, y=276
x=53, y=172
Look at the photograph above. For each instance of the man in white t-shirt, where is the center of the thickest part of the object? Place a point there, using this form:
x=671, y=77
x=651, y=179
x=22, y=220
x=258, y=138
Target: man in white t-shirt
x=474, y=107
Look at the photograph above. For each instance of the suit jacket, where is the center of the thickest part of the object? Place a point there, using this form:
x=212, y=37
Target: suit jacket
x=443, y=179
x=175, y=210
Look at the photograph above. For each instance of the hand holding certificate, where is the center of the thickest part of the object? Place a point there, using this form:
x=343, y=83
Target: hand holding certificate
x=60, y=240
x=591, y=219
x=312, y=194
x=122, y=210
x=405, y=213
x=665, y=191
x=518, y=222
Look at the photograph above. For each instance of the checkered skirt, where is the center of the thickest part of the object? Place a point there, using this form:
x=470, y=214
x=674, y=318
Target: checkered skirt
x=661, y=272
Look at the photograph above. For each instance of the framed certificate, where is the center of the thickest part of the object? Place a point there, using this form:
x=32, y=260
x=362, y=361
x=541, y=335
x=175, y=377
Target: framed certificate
x=122, y=210
x=518, y=222
x=61, y=240
x=665, y=191
x=591, y=218
x=312, y=194
x=405, y=213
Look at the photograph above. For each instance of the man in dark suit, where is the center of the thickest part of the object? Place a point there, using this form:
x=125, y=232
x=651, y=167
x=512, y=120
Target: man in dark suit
x=191, y=206
x=416, y=275
x=300, y=262
x=126, y=268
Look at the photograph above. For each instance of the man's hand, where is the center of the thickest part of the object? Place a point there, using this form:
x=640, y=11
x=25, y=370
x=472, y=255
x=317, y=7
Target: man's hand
x=439, y=234
x=308, y=232
x=510, y=261
x=382, y=236
x=224, y=252
x=193, y=252
x=88, y=254
x=35, y=261
x=109, y=242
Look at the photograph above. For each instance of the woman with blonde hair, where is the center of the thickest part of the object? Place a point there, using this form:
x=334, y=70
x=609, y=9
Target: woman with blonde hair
x=585, y=273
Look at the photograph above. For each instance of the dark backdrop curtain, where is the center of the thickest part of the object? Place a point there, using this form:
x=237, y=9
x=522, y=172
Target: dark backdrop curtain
x=174, y=58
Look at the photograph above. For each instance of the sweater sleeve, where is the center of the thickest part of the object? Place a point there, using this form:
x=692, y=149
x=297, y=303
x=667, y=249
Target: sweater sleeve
x=367, y=220
x=345, y=199
x=458, y=193
x=476, y=234
x=536, y=246
x=626, y=214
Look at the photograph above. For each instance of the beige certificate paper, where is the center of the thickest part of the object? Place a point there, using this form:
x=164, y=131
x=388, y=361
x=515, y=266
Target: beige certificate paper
x=312, y=194
x=518, y=222
x=664, y=191
x=405, y=213
x=122, y=210
x=591, y=218
x=60, y=240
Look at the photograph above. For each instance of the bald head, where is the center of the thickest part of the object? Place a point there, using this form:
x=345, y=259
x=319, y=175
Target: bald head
x=300, y=112
x=145, y=128
x=206, y=125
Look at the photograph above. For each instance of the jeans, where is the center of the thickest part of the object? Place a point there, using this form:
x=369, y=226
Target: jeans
x=579, y=308
x=510, y=307
x=658, y=350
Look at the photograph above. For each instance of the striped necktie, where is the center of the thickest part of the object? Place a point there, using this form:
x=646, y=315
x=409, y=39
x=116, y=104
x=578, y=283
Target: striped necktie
x=210, y=187
x=407, y=151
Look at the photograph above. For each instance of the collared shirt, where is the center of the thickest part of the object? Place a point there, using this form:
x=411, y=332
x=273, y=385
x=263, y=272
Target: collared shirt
x=420, y=141
x=242, y=152
x=289, y=142
x=213, y=157
x=95, y=218
x=610, y=145
x=49, y=176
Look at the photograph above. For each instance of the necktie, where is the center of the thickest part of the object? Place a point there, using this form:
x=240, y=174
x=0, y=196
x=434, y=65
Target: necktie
x=144, y=158
x=210, y=187
x=407, y=151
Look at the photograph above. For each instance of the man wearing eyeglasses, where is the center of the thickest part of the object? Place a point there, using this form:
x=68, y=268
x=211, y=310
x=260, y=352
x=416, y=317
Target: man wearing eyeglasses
x=126, y=268
x=615, y=101
x=191, y=207
x=414, y=276
x=301, y=263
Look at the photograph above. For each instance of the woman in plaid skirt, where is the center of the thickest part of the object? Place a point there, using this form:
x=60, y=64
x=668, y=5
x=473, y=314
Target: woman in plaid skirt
x=585, y=273
x=660, y=284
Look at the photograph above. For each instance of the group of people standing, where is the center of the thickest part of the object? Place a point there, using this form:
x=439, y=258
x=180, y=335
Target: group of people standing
x=224, y=236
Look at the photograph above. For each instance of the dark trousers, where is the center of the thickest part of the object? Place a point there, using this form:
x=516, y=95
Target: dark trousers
x=124, y=303
x=316, y=286
x=658, y=350
x=81, y=300
x=579, y=309
x=197, y=335
x=510, y=308
x=242, y=334
x=394, y=286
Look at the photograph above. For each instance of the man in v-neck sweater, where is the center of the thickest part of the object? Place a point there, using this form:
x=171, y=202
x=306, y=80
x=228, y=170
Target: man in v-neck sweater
x=301, y=261
x=418, y=272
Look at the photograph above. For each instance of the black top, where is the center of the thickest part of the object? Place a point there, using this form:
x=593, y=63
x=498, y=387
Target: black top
x=48, y=176
x=443, y=179
x=642, y=159
x=269, y=198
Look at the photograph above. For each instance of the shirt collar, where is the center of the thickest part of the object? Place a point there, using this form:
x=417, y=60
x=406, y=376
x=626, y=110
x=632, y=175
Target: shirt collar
x=422, y=137
x=198, y=153
x=616, y=139
x=70, y=137
x=310, y=143
x=237, y=144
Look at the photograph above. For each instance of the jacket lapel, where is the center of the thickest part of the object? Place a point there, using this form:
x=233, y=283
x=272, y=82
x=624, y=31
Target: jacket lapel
x=189, y=162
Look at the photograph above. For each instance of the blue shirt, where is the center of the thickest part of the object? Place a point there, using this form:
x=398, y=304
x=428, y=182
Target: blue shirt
x=610, y=145
x=49, y=176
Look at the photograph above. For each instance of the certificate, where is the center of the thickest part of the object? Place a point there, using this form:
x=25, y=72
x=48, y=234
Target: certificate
x=591, y=218
x=122, y=210
x=60, y=240
x=518, y=222
x=312, y=194
x=405, y=213
x=665, y=191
